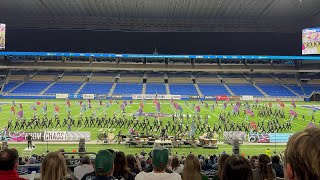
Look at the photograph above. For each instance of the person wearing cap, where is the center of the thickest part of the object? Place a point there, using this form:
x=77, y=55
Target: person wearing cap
x=104, y=165
x=160, y=159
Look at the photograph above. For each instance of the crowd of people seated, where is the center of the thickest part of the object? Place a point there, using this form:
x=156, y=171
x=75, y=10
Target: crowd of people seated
x=300, y=162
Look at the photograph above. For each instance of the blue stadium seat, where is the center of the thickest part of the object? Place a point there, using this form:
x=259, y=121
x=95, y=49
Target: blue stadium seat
x=96, y=88
x=244, y=89
x=128, y=88
x=296, y=89
x=155, y=88
x=64, y=87
x=183, y=89
x=31, y=87
x=275, y=90
x=10, y=85
x=213, y=89
x=309, y=88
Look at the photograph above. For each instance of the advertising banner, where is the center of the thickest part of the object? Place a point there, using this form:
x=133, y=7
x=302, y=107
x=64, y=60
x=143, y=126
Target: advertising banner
x=234, y=98
x=62, y=96
x=88, y=96
x=158, y=96
x=116, y=96
x=222, y=98
x=101, y=96
x=54, y=136
x=194, y=97
x=209, y=97
x=247, y=98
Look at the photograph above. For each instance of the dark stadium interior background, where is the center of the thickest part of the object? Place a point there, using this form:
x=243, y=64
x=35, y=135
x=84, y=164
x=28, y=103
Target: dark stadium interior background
x=228, y=43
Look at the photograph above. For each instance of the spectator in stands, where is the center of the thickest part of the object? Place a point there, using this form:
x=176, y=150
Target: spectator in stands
x=121, y=170
x=104, y=165
x=160, y=156
x=302, y=155
x=254, y=162
x=176, y=166
x=33, y=160
x=221, y=164
x=54, y=166
x=191, y=169
x=277, y=167
x=206, y=165
x=134, y=165
x=9, y=161
x=236, y=168
x=264, y=170
x=86, y=167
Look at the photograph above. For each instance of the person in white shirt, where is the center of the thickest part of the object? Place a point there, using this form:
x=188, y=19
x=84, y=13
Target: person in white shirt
x=85, y=168
x=159, y=157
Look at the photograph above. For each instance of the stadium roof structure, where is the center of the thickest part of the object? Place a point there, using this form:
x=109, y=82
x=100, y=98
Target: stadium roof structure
x=162, y=15
x=157, y=56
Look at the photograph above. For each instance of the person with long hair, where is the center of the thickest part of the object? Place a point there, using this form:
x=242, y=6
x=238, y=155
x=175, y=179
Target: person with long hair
x=134, y=164
x=221, y=163
x=121, y=169
x=254, y=162
x=264, y=170
x=54, y=166
x=236, y=167
x=176, y=166
x=191, y=169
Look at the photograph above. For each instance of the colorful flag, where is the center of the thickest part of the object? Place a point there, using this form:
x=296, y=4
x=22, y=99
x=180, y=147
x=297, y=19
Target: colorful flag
x=68, y=103
x=56, y=109
x=224, y=105
x=122, y=106
x=293, y=104
x=131, y=102
x=249, y=112
x=20, y=114
x=110, y=101
x=13, y=110
x=80, y=102
x=293, y=113
x=38, y=103
x=197, y=108
x=141, y=105
x=253, y=125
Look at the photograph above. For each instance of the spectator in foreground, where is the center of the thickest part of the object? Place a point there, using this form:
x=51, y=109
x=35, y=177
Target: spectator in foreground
x=254, y=162
x=236, y=167
x=160, y=157
x=221, y=163
x=104, y=165
x=9, y=161
x=134, y=165
x=277, y=167
x=86, y=167
x=54, y=166
x=264, y=170
x=121, y=170
x=176, y=166
x=191, y=169
x=302, y=155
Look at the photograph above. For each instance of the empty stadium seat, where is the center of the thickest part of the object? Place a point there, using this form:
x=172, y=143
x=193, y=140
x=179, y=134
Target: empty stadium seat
x=10, y=85
x=183, y=89
x=155, y=88
x=64, y=87
x=275, y=90
x=31, y=87
x=213, y=89
x=244, y=89
x=309, y=88
x=296, y=89
x=128, y=88
x=96, y=88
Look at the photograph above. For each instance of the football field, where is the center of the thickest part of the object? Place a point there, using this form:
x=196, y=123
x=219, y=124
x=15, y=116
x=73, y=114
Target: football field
x=114, y=109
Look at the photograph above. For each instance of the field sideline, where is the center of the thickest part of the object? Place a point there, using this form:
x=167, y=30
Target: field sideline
x=149, y=107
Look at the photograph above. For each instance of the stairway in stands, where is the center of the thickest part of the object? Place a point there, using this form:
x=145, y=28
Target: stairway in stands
x=224, y=82
x=144, y=88
x=167, y=88
x=198, y=89
x=112, y=89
